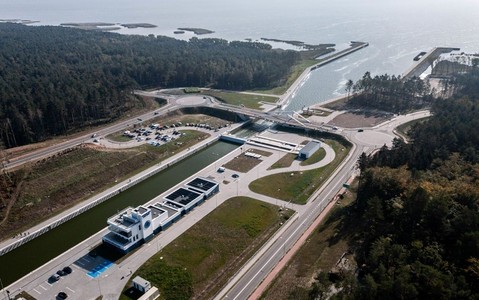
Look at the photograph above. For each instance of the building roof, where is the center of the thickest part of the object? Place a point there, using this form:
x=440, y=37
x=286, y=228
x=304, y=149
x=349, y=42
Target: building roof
x=141, y=282
x=202, y=184
x=183, y=196
x=311, y=146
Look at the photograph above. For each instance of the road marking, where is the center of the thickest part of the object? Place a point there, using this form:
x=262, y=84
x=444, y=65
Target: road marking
x=36, y=291
x=70, y=290
x=43, y=287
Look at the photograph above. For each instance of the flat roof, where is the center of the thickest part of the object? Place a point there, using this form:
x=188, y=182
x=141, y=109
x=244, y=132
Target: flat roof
x=141, y=281
x=183, y=196
x=168, y=210
x=310, y=146
x=202, y=184
x=124, y=218
x=156, y=211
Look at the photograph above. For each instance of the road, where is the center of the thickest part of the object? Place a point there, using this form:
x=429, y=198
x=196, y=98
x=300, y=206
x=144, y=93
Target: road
x=250, y=276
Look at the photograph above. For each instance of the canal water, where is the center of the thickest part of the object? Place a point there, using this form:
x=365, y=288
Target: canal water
x=35, y=253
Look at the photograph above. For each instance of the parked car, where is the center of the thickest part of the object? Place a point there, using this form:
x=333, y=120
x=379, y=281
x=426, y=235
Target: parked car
x=360, y=130
x=235, y=175
x=61, y=273
x=62, y=295
x=55, y=277
x=68, y=270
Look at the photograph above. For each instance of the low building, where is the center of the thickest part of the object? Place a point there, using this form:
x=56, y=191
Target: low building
x=309, y=149
x=141, y=284
x=204, y=185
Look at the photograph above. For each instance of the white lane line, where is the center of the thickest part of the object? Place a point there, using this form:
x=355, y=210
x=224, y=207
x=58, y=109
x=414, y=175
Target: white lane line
x=42, y=287
x=36, y=291
x=70, y=290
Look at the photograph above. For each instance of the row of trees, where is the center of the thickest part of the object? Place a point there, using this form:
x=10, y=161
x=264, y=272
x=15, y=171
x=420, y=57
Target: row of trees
x=54, y=79
x=389, y=93
x=419, y=204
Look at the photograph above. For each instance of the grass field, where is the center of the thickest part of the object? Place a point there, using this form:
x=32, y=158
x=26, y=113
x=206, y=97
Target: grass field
x=55, y=184
x=201, y=260
x=299, y=186
x=284, y=161
x=234, y=98
x=321, y=252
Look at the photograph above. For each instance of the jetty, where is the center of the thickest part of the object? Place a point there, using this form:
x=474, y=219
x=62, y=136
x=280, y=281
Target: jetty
x=426, y=60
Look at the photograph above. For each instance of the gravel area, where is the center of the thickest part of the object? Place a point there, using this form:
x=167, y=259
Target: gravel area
x=358, y=119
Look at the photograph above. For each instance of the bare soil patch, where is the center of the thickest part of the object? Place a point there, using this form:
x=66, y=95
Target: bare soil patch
x=355, y=119
x=242, y=163
x=260, y=152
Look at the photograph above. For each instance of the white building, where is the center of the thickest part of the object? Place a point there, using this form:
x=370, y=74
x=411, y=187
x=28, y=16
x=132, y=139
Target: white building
x=132, y=226
x=309, y=149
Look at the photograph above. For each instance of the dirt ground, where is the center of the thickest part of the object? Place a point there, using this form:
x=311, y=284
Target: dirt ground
x=355, y=119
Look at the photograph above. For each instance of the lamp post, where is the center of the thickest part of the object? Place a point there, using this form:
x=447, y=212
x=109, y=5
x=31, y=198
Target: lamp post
x=99, y=285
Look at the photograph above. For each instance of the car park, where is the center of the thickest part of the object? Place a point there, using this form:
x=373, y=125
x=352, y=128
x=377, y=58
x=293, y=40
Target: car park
x=54, y=278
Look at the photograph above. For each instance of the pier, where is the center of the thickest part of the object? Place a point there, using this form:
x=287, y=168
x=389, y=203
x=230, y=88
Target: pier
x=426, y=61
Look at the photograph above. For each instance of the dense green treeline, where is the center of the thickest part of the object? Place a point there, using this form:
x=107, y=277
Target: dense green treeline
x=419, y=203
x=54, y=79
x=389, y=93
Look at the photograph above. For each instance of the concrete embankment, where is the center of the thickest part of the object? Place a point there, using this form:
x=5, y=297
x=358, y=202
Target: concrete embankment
x=354, y=47
x=426, y=61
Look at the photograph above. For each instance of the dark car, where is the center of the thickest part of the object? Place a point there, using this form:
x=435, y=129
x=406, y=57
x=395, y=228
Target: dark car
x=360, y=130
x=235, y=175
x=61, y=273
x=54, y=278
x=67, y=270
x=62, y=295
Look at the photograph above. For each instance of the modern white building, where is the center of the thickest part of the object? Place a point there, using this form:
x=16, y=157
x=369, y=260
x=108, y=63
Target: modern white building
x=309, y=149
x=133, y=226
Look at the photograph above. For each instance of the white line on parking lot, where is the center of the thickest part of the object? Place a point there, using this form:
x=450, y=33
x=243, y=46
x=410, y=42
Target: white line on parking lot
x=43, y=287
x=70, y=290
x=36, y=291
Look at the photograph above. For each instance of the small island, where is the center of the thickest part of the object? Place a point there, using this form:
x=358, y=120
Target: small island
x=19, y=21
x=300, y=44
x=101, y=26
x=198, y=31
x=138, y=25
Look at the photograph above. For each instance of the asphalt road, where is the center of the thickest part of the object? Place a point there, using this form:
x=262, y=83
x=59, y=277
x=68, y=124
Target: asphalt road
x=250, y=277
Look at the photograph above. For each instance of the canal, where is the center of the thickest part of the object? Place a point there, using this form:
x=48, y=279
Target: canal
x=35, y=253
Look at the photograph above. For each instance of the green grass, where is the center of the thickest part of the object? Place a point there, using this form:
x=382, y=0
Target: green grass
x=284, y=161
x=118, y=137
x=234, y=98
x=299, y=186
x=192, y=90
x=315, y=158
x=201, y=260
